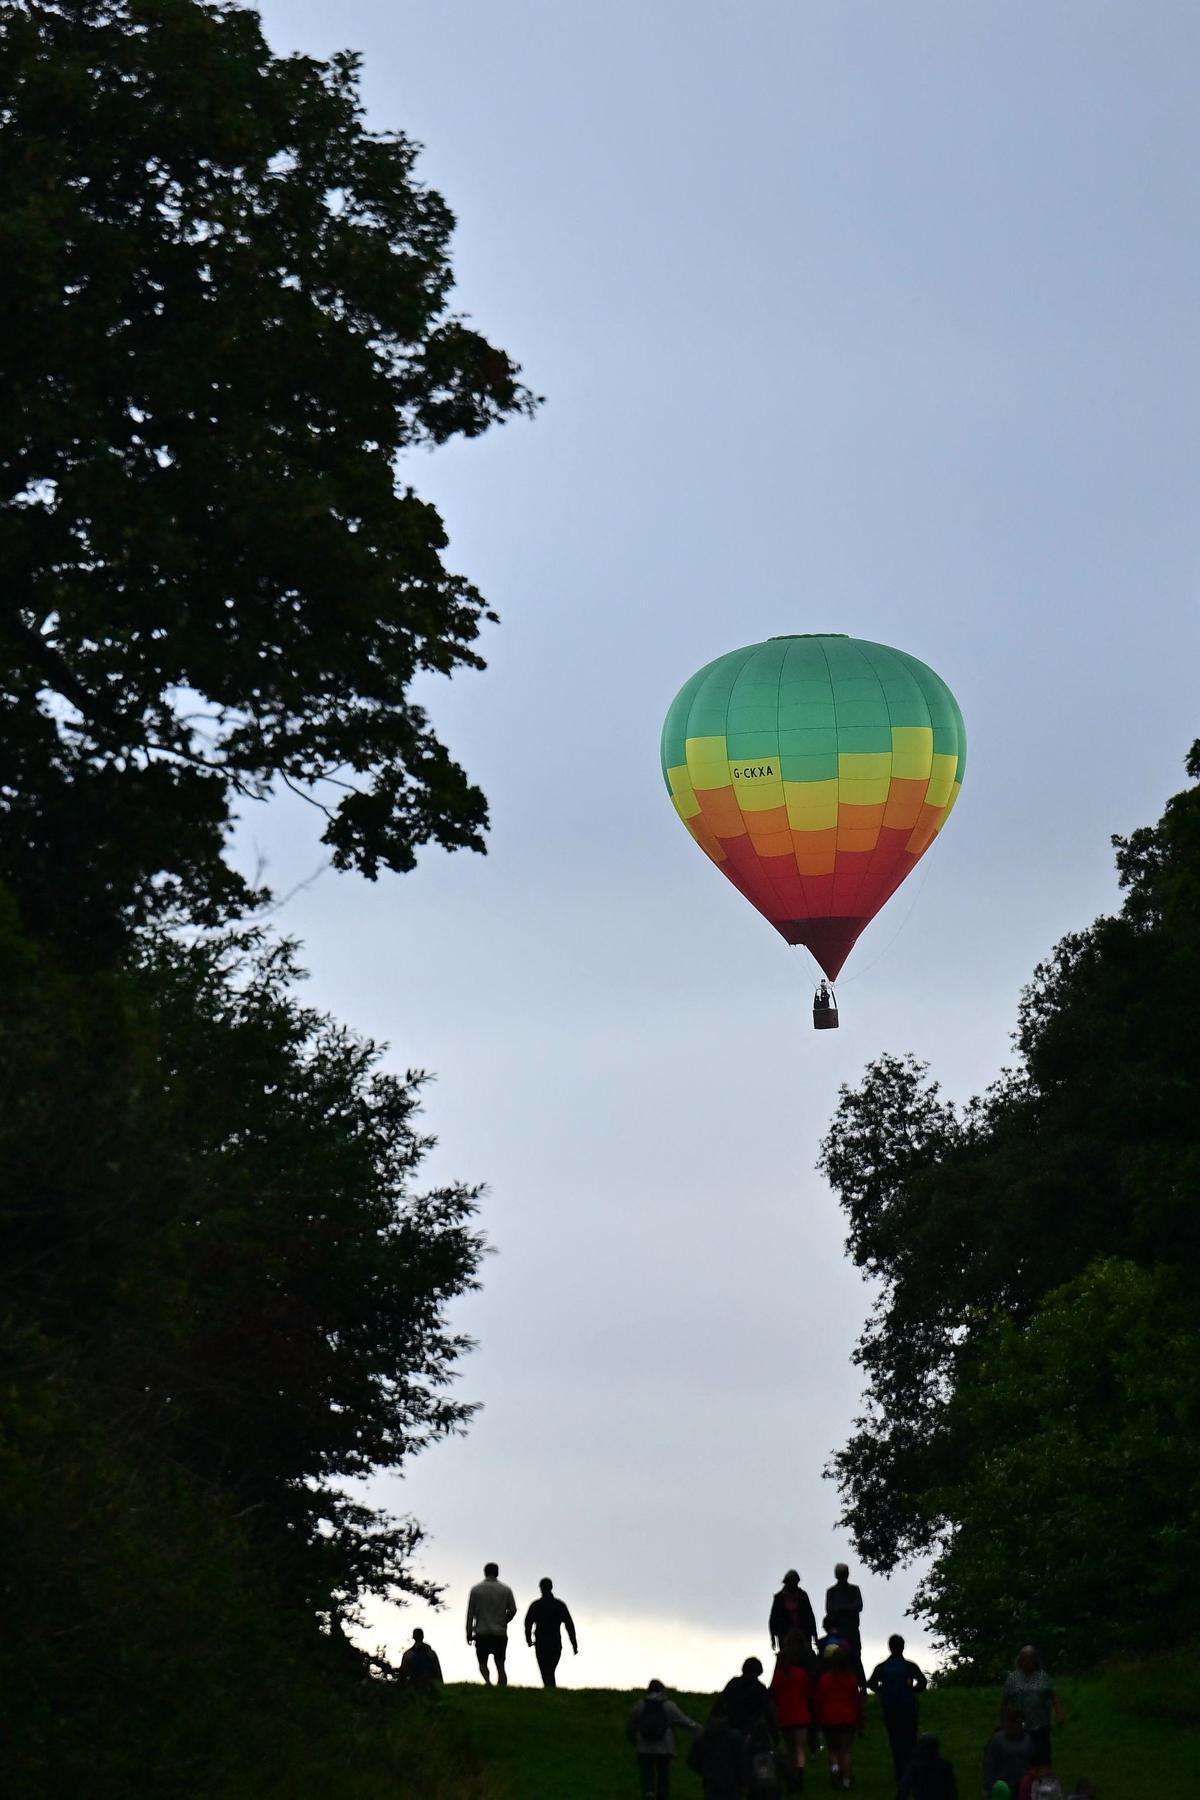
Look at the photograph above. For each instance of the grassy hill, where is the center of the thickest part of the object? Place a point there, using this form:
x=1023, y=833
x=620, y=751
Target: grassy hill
x=1137, y=1733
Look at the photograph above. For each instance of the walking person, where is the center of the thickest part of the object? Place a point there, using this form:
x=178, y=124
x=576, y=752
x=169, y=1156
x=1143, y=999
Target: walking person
x=419, y=1666
x=791, y=1610
x=896, y=1682
x=716, y=1757
x=1007, y=1754
x=747, y=1702
x=839, y=1709
x=843, y=1613
x=928, y=1776
x=651, y=1730
x=545, y=1622
x=792, y=1688
x=1029, y=1690
x=490, y=1606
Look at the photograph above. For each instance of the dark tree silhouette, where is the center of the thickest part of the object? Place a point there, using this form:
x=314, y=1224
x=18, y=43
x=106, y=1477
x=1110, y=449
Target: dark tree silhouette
x=224, y=315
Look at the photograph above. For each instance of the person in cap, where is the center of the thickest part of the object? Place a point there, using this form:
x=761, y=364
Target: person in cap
x=791, y=1610
x=545, y=1621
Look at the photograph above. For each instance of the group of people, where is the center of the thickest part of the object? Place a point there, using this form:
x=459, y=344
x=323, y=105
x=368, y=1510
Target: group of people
x=490, y=1610
x=760, y=1739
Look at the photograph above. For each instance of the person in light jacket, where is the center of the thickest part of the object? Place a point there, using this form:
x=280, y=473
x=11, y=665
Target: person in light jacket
x=651, y=1731
x=490, y=1606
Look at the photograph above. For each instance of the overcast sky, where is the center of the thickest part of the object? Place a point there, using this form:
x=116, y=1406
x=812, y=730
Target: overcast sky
x=850, y=317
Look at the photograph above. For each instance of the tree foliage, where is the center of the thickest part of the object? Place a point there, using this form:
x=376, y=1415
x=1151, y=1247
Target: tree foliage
x=1076, y=1524
x=224, y=1290
x=221, y=1300
x=225, y=313
x=1087, y=1148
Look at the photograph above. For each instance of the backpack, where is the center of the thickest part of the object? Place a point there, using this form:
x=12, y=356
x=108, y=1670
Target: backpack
x=653, y=1722
x=764, y=1773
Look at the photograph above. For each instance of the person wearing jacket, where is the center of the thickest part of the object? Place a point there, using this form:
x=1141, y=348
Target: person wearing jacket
x=792, y=1692
x=897, y=1682
x=928, y=1776
x=843, y=1610
x=716, y=1757
x=1007, y=1754
x=747, y=1702
x=419, y=1666
x=652, y=1734
x=547, y=1619
x=791, y=1610
x=839, y=1710
x=490, y=1606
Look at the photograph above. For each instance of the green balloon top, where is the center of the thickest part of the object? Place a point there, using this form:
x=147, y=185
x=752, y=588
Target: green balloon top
x=809, y=698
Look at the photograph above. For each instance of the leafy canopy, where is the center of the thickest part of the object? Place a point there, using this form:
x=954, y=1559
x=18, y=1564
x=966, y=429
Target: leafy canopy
x=224, y=315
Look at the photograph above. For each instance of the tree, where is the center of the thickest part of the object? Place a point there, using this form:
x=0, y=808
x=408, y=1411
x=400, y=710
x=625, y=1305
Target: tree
x=224, y=315
x=1075, y=1520
x=1088, y=1148
x=222, y=1301
x=228, y=1240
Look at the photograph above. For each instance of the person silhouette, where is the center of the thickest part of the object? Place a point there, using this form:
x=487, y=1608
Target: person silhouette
x=419, y=1666
x=490, y=1606
x=546, y=1620
x=791, y=1610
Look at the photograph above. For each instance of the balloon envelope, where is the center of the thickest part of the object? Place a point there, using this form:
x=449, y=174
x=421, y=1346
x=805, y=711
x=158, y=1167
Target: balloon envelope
x=815, y=771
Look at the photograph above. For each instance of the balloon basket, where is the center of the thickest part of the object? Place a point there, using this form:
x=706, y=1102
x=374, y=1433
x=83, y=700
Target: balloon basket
x=825, y=1012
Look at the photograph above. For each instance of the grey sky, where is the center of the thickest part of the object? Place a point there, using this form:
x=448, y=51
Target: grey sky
x=850, y=317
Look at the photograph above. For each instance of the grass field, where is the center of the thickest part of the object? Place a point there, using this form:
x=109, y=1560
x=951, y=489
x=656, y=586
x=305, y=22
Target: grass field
x=1136, y=1734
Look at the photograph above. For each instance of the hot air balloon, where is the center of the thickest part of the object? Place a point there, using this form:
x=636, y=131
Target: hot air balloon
x=815, y=771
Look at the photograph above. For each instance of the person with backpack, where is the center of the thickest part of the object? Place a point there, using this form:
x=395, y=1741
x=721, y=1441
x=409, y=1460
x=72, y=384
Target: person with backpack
x=791, y=1610
x=839, y=1710
x=1029, y=1690
x=792, y=1689
x=1008, y=1754
x=419, y=1666
x=651, y=1732
x=897, y=1683
x=928, y=1776
x=766, y=1771
x=716, y=1757
x=1040, y=1783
